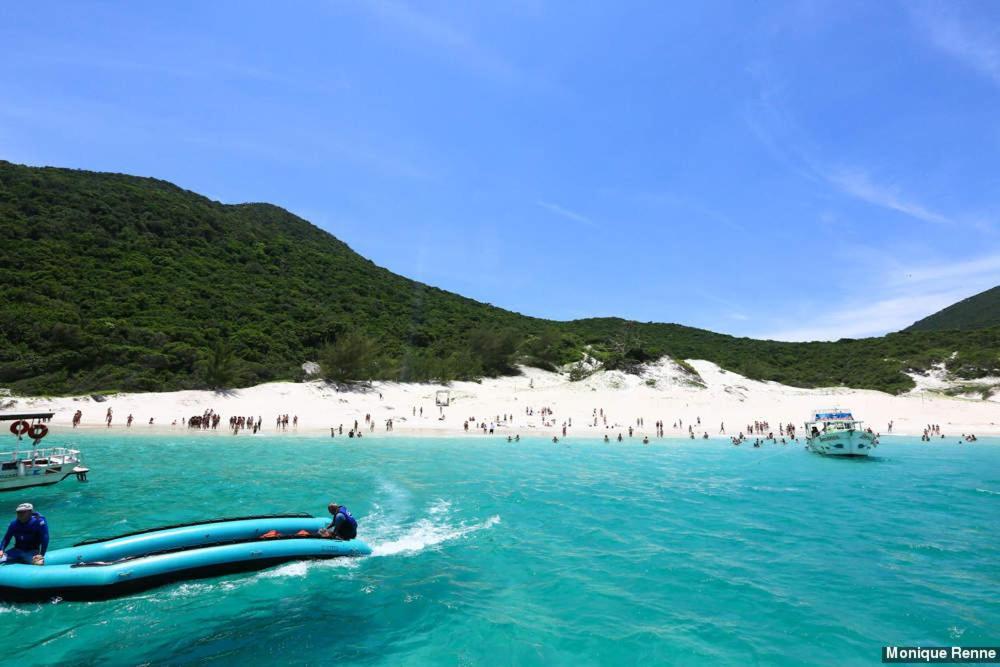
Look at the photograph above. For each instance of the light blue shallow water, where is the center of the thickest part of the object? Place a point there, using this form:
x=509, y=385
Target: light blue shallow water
x=683, y=552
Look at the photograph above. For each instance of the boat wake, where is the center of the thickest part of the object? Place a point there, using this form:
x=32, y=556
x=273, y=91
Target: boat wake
x=17, y=609
x=394, y=533
x=388, y=536
x=425, y=533
x=301, y=568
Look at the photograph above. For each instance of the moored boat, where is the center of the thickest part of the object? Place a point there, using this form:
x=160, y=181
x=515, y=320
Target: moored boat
x=22, y=468
x=835, y=432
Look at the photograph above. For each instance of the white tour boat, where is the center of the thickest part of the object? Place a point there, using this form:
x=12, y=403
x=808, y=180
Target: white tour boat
x=36, y=466
x=835, y=432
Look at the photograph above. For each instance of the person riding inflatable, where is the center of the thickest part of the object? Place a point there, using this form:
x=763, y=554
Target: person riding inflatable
x=343, y=527
x=31, y=537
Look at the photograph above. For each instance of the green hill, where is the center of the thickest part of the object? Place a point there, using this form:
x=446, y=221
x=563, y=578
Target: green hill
x=977, y=312
x=114, y=282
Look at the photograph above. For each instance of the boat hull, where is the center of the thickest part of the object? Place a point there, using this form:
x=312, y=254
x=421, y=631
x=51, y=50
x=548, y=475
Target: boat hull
x=47, y=478
x=848, y=443
x=41, y=467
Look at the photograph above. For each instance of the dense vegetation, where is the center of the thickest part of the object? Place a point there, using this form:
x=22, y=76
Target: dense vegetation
x=980, y=311
x=114, y=282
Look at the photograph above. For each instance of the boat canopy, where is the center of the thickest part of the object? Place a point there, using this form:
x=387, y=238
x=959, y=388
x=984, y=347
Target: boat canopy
x=834, y=414
x=17, y=416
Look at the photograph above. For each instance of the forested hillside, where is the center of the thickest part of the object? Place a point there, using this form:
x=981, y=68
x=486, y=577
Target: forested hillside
x=114, y=282
x=979, y=311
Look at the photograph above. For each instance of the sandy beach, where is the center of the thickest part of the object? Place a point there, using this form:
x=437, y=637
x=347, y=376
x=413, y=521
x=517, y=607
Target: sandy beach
x=514, y=405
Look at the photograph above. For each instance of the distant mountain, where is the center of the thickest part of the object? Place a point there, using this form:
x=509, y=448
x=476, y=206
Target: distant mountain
x=119, y=283
x=977, y=312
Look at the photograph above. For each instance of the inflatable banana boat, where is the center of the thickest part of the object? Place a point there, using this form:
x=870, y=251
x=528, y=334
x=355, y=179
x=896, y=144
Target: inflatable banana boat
x=111, y=567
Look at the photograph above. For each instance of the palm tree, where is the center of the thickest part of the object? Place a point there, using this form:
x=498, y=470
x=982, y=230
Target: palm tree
x=220, y=368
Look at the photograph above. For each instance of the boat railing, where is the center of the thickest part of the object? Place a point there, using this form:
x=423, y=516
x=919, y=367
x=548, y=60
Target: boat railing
x=39, y=453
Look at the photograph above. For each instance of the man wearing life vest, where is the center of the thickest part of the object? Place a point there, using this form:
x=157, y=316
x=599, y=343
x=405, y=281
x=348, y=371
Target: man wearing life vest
x=343, y=527
x=31, y=537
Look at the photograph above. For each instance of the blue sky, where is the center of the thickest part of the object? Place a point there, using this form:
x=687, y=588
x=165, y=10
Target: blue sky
x=800, y=170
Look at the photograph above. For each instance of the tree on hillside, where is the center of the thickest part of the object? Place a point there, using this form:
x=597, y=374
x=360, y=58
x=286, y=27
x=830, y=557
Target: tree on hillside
x=221, y=365
x=351, y=358
x=625, y=351
x=494, y=350
x=547, y=350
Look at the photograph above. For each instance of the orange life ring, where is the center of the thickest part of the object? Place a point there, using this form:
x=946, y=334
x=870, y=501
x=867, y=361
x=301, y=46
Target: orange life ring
x=19, y=428
x=38, y=431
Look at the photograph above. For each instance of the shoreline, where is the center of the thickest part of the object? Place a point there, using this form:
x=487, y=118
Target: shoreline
x=536, y=403
x=498, y=437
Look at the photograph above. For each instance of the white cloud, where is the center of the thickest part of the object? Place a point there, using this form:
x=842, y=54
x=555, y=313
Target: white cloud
x=566, y=213
x=894, y=303
x=779, y=132
x=962, y=271
x=863, y=319
x=443, y=36
x=857, y=184
x=975, y=45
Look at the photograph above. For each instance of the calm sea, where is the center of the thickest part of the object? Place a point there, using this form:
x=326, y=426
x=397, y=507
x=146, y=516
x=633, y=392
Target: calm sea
x=679, y=552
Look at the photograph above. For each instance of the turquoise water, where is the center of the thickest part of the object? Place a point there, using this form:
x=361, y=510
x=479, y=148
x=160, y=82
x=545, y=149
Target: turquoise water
x=682, y=552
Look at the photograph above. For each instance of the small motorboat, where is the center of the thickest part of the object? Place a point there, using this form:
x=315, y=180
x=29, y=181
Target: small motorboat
x=111, y=567
x=835, y=432
x=38, y=466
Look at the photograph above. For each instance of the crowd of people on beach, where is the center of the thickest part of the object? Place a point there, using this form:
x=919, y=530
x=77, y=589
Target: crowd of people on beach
x=759, y=430
x=208, y=420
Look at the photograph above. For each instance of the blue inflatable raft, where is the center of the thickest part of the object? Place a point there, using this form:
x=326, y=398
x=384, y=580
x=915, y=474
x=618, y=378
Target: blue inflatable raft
x=107, y=568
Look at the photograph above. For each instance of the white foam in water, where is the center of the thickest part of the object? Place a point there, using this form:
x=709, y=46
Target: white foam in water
x=11, y=609
x=376, y=514
x=439, y=507
x=294, y=569
x=425, y=534
x=182, y=591
x=301, y=568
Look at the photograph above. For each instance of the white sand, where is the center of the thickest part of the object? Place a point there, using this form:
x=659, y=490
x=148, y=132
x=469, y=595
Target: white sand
x=664, y=392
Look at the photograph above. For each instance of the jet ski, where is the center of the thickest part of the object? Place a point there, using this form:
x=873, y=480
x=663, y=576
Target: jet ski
x=105, y=568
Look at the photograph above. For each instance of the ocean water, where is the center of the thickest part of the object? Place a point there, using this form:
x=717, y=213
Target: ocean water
x=577, y=553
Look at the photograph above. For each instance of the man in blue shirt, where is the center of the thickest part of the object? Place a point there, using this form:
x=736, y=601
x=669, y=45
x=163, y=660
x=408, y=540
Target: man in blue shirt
x=343, y=527
x=31, y=537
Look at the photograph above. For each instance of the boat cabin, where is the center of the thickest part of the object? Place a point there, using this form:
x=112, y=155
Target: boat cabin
x=833, y=419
